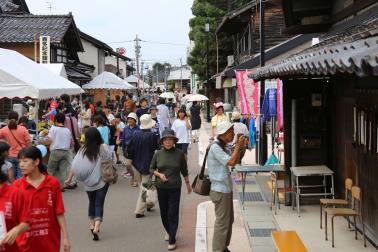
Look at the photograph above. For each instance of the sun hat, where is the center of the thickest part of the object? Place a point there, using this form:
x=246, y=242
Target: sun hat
x=30, y=101
x=168, y=133
x=132, y=115
x=4, y=146
x=42, y=149
x=146, y=122
x=235, y=115
x=223, y=127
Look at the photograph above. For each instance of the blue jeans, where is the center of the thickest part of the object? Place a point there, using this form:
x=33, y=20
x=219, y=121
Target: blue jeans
x=16, y=167
x=96, y=203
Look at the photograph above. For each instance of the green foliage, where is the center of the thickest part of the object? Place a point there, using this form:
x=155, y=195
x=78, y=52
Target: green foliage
x=212, y=12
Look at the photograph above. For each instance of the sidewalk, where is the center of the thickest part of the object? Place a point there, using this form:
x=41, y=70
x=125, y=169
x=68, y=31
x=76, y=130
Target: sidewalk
x=255, y=222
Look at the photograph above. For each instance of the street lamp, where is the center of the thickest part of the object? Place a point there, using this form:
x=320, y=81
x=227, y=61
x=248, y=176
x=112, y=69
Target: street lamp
x=207, y=30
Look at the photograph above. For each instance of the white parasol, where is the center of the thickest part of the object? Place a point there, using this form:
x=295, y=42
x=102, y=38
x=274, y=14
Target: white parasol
x=197, y=97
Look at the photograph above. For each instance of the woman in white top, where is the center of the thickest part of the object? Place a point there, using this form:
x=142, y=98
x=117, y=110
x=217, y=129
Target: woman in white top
x=218, y=118
x=86, y=167
x=86, y=116
x=181, y=127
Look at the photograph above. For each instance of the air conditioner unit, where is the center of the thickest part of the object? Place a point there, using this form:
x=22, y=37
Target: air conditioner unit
x=230, y=60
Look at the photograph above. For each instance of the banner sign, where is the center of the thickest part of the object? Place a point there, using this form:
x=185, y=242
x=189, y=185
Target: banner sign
x=248, y=91
x=279, y=104
x=44, y=49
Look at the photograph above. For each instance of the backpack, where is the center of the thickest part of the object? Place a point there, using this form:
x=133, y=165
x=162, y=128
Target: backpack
x=108, y=171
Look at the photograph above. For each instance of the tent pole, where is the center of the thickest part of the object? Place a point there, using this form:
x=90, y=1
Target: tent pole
x=36, y=120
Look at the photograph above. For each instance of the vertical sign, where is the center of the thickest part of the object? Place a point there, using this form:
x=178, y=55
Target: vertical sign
x=44, y=49
x=248, y=91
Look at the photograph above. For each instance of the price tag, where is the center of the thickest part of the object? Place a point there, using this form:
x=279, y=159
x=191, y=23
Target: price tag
x=3, y=226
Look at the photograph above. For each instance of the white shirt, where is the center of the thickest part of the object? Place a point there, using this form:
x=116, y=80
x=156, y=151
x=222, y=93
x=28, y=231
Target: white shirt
x=61, y=138
x=163, y=113
x=179, y=127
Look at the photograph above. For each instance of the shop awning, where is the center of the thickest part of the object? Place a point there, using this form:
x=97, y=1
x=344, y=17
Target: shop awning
x=353, y=50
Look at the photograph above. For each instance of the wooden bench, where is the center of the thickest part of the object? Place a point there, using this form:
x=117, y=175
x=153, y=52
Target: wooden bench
x=288, y=241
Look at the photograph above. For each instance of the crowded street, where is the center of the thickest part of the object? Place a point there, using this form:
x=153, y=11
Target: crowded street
x=188, y=125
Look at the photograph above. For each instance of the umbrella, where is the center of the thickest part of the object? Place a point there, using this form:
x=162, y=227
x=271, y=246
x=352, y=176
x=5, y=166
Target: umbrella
x=197, y=97
x=168, y=95
x=185, y=98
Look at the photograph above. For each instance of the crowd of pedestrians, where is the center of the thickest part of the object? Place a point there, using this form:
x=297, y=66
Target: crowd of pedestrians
x=142, y=137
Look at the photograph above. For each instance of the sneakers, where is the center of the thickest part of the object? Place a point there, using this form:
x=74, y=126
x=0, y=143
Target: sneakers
x=171, y=246
x=139, y=216
x=166, y=237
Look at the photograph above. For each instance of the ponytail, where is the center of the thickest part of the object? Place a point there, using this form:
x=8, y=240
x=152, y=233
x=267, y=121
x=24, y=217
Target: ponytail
x=12, y=120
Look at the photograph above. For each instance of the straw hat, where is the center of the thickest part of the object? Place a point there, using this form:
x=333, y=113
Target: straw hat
x=223, y=127
x=235, y=115
x=146, y=122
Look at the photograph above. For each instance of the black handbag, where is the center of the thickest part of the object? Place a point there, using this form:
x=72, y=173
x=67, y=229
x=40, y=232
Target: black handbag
x=201, y=184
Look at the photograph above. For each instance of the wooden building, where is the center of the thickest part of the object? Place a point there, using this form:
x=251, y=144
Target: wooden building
x=331, y=95
x=243, y=25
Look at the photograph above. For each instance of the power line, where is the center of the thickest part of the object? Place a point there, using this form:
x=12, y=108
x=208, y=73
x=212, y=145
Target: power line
x=147, y=41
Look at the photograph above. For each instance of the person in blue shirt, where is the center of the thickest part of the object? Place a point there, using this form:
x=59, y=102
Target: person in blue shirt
x=143, y=108
x=141, y=149
x=101, y=126
x=128, y=133
x=219, y=161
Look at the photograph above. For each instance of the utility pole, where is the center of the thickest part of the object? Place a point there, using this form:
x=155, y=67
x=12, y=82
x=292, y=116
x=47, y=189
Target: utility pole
x=207, y=87
x=181, y=73
x=137, y=54
x=263, y=141
x=142, y=73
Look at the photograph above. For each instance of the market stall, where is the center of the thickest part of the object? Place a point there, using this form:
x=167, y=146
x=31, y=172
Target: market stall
x=105, y=82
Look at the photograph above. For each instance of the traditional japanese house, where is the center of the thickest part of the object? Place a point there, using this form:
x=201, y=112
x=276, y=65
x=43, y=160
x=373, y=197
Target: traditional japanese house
x=243, y=25
x=331, y=95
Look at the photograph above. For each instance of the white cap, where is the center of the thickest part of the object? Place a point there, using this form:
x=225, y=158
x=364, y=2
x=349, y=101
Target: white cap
x=223, y=127
x=133, y=116
x=146, y=122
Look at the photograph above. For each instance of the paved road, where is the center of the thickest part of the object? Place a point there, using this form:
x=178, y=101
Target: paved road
x=121, y=231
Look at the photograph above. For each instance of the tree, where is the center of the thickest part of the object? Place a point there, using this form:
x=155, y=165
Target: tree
x=212, y=12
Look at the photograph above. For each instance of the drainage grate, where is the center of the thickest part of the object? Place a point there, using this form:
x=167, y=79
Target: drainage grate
x=260, y=232
x=251, y=196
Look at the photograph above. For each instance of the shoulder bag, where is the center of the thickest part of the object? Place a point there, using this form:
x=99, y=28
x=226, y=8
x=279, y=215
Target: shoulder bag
x=201, y=184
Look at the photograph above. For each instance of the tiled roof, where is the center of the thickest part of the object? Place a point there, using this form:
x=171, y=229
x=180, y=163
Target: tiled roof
x=13, y=6
x=354, y=51
x=21, y=28
x=8, y=6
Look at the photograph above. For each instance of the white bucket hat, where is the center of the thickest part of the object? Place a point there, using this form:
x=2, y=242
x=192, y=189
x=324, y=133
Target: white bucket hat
x=146, y=122
x=133, y=116
x=223, y=127
x=235, y=115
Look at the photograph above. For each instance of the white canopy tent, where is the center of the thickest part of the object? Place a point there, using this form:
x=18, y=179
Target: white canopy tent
x=57, y=68
x=107, y=80
x=22, y=77
x=138, y=82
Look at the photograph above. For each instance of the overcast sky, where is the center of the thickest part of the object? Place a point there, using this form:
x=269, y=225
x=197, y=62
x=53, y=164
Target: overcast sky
x=164, y=21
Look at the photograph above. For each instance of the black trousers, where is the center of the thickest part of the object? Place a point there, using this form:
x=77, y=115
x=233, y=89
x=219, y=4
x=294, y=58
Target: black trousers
x=169, y=203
